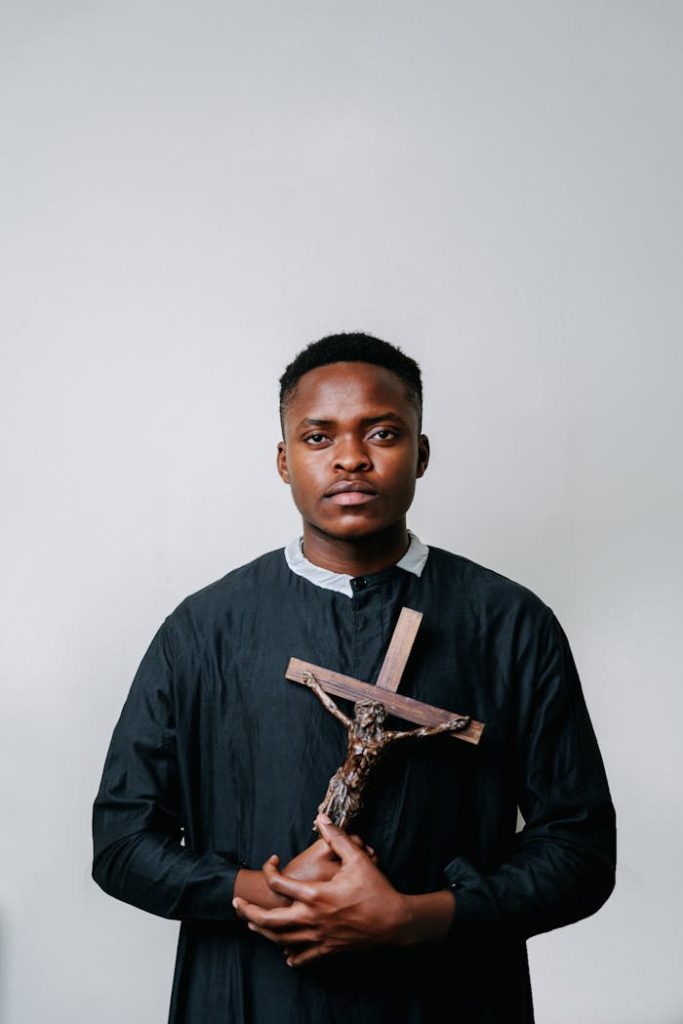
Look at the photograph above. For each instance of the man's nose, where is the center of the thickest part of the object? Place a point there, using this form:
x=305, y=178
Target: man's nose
x=351, y=455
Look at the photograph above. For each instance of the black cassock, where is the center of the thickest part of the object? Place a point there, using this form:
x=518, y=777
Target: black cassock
x=218, y=761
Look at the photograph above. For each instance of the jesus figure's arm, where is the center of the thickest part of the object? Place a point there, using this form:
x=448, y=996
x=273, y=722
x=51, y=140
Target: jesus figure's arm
x=309, y=680
x=455, y=724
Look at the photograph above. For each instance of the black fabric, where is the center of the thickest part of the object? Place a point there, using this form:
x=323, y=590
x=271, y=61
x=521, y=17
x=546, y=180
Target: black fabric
x=218, y=761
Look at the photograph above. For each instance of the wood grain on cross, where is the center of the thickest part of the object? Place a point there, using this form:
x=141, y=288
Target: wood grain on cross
x=384, y=690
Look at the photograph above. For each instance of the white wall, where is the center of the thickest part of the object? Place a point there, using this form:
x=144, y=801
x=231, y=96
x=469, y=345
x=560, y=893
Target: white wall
x=192, y=192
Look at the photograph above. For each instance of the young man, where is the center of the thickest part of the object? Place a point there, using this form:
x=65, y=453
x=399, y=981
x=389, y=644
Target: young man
x=218, y=762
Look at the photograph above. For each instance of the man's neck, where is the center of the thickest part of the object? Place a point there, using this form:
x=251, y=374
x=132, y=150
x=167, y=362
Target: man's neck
x=359, y=556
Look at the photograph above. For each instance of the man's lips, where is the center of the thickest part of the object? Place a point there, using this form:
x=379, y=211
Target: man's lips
x=351, y=492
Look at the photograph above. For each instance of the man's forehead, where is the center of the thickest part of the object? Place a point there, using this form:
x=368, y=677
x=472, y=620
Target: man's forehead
x=338, y=383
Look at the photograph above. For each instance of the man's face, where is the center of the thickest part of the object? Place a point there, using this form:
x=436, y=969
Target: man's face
x=352, y=452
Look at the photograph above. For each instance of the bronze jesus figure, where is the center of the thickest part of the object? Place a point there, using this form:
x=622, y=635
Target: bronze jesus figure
x=368, y=740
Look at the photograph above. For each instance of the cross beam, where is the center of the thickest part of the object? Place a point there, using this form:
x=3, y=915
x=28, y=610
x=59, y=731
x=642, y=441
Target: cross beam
x=384, y=691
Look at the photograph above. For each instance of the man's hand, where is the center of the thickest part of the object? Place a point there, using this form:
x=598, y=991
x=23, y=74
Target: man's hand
x=317, y=863
x=355, y=909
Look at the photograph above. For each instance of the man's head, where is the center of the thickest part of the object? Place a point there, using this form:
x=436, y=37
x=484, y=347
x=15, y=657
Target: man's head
x=348, y=348
x=352, y=450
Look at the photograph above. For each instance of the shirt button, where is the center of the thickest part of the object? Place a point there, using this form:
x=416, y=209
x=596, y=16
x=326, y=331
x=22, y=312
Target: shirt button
x=360, y=622
x=360, y=582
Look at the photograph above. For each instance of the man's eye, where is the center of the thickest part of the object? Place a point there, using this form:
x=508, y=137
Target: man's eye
x=386, y=434
x=316, y=438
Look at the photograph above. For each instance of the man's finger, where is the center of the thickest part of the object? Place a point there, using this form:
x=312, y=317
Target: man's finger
x=278, y=918
x=294, y=937
x=339, y=840
x=274, y=877
x=306, y=956
x=362, y=845
x=285, y=885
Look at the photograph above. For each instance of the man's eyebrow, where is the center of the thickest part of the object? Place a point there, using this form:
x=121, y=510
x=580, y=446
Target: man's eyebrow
x=383, y=416
x=311, y=422
x=367, y=421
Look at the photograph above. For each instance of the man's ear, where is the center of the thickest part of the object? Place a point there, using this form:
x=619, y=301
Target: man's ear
x=281, y=461
x=422, y=455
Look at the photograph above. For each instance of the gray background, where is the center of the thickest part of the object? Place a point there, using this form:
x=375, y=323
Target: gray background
x=192, y=192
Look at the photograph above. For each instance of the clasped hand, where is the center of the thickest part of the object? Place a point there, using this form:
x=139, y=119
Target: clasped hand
x=345, y=903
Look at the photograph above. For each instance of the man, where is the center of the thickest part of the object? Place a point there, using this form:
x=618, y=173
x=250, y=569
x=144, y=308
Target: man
x=218, y=762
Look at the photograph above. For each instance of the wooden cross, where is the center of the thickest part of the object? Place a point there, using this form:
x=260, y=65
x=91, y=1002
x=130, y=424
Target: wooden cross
x=384, y=691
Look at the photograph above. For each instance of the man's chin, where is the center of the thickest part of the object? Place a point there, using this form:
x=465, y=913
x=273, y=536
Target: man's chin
x=357, y=530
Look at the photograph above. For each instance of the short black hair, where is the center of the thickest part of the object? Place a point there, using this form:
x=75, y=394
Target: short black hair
x=352, y=347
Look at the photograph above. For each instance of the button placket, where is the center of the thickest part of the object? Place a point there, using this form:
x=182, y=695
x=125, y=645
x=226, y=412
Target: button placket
x=358, y=603
x=368, y=602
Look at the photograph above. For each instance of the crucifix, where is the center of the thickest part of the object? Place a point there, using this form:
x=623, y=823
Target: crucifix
x=367, y=737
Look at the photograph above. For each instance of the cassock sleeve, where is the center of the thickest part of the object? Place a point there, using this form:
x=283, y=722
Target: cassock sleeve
x=562, y=864
x=137, y=828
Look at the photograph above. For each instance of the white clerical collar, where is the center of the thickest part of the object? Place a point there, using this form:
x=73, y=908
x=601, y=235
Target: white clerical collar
x=413, y=561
